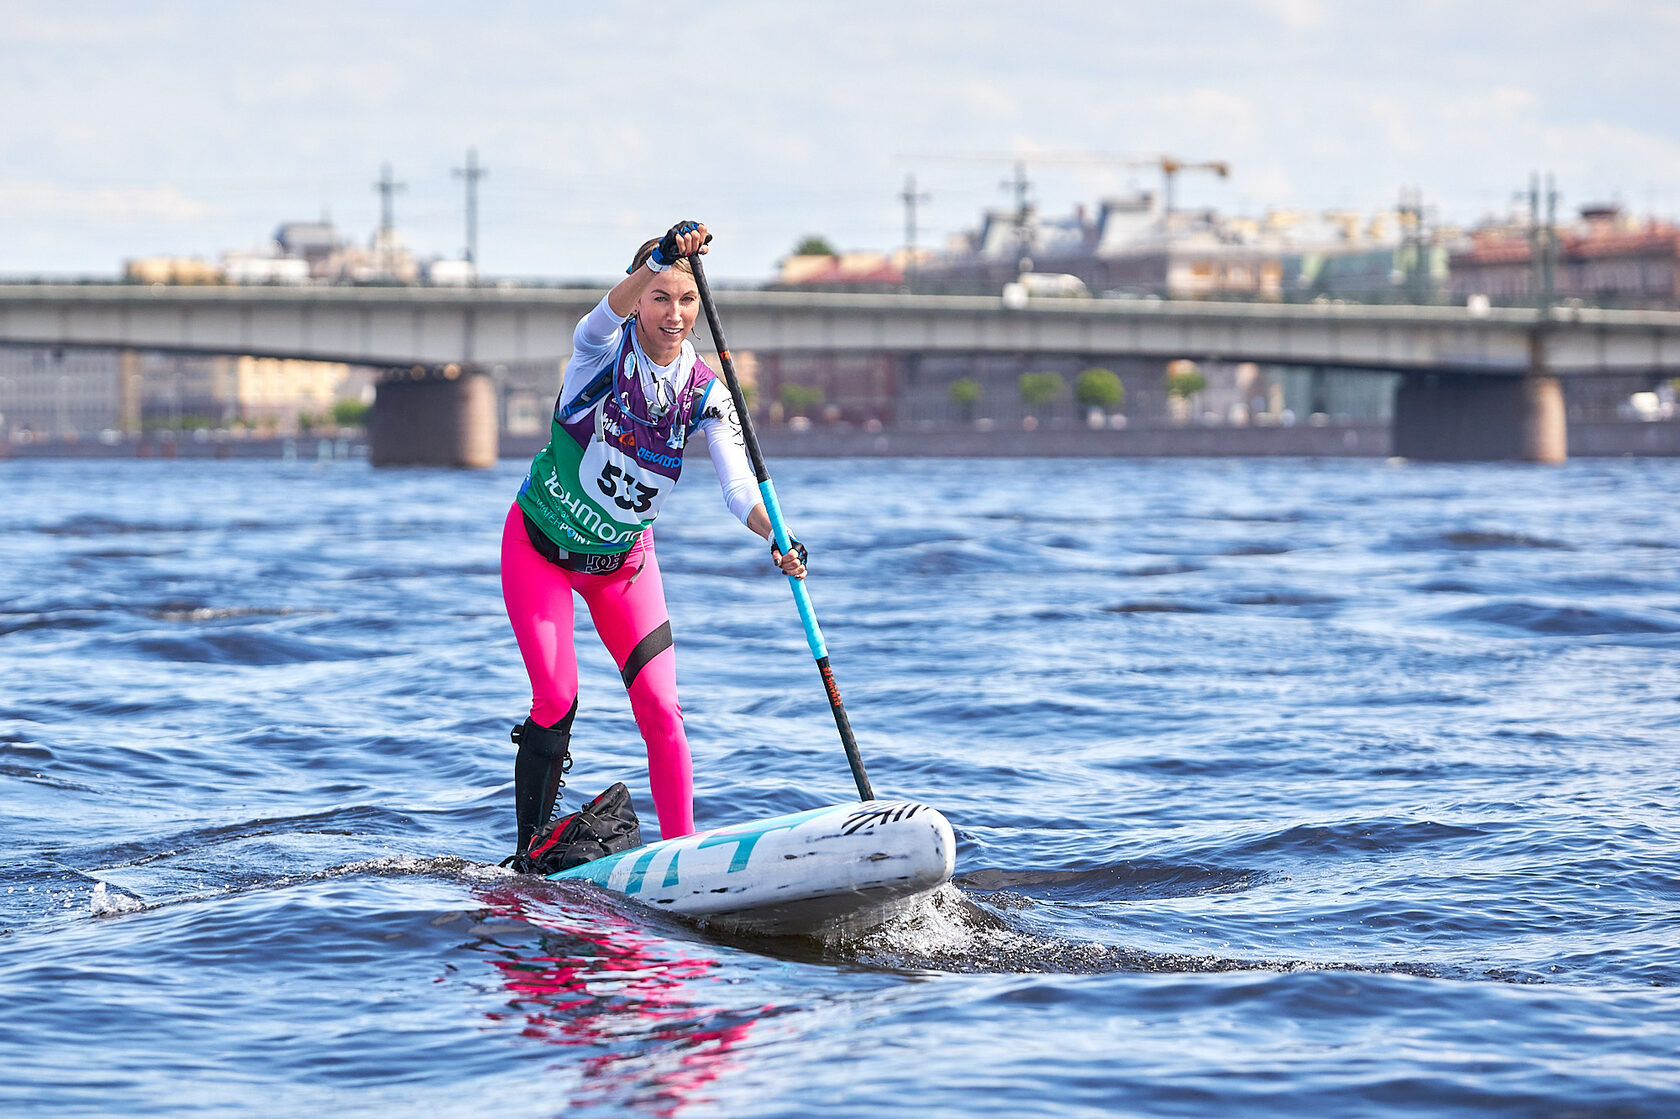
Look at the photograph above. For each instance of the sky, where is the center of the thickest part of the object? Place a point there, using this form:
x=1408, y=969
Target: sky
x=193, y=127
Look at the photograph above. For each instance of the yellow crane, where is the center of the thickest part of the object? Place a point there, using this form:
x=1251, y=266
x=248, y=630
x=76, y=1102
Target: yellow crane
x=1170, y=167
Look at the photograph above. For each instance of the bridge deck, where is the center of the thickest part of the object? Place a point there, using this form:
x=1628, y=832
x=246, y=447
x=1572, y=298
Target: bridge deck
x=407, y=325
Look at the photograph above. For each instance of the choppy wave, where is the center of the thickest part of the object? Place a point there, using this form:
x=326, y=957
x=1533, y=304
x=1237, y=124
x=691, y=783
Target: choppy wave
x=1552, y=620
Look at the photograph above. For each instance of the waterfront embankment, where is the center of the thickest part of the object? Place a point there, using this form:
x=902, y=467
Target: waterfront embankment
x=1587, y=439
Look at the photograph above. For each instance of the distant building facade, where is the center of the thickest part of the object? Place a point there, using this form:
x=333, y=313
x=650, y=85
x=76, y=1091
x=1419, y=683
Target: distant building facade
x=65, y=392
x=70, y=393
x=1130, y=247
x=856, y=271
x=1605, y=259
x=302, y=252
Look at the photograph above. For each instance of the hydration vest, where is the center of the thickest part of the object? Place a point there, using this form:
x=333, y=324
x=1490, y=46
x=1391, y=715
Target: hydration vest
x=610, y=459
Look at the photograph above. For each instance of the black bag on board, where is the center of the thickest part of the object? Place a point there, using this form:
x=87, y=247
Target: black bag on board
x=604, y=826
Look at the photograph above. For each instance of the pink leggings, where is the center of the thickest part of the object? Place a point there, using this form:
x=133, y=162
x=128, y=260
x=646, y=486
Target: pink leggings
x=626, y=607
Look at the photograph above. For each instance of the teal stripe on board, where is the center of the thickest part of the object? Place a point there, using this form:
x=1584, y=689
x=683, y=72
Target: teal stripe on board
x=598, y=871
x=744, y=836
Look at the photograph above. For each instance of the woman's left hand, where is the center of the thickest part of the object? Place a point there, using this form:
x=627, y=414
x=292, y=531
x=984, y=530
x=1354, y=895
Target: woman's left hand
x=793, y=563
x=683, y=239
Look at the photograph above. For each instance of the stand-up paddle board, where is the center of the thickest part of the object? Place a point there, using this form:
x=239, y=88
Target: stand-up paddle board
x=824, y=872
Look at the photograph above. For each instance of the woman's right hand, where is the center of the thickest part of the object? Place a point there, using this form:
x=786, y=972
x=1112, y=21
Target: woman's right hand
x=793, y=563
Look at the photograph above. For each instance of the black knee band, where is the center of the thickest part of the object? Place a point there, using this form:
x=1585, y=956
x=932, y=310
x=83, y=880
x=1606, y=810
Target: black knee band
x=646, y=649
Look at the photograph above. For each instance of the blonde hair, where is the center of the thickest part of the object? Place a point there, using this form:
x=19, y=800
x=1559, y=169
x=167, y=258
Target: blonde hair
x=646, y=251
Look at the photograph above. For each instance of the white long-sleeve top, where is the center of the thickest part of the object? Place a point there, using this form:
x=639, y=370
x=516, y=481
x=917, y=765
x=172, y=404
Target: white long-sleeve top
x=597, y=339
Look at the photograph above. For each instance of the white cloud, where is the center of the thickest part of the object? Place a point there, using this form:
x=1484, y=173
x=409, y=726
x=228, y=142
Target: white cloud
x=1392, y=119
x=989, y=102
x=1601, y=160
x=64, y=25
x=1502, y=104
x=1208, y=112
x=1298, y=14
x=33, y=200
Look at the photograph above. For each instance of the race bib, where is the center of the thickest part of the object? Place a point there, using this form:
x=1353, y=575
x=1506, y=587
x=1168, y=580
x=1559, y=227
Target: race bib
x=614, y=481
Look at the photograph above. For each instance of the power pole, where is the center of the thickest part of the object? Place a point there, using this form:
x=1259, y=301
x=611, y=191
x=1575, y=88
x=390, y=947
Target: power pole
x=387, y=188
x=1551, y=239
x=910, y=198
x=472, y=172
x=1542, y=241
x=1022, y=187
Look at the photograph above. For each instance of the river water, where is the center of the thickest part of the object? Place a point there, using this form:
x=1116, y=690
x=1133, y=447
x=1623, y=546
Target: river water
x=1281, y=788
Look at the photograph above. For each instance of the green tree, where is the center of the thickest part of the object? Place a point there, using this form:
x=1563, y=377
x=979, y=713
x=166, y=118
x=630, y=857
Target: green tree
x=1039, y=389
x=349, y=413
x=1184, y=380
x=965, y=394
x=801, y=400
x=1099, y=388
x=814, y=245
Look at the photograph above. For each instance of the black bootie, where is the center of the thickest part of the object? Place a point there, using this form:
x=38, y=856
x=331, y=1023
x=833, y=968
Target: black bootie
x=539, y=771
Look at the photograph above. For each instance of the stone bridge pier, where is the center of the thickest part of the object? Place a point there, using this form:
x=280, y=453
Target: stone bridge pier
x=434, y=415
x=1469, y=417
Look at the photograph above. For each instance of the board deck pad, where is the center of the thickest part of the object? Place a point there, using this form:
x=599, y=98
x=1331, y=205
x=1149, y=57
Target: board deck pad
x=821, y=872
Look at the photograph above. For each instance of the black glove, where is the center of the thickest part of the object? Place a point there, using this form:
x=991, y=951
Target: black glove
x=795, y=547
x=665, y=253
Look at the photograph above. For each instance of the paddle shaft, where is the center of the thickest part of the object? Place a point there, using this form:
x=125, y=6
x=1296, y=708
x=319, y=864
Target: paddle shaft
x=778, y=527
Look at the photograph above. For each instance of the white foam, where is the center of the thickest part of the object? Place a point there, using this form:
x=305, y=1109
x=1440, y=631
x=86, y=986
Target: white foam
x=107, y=902
x=937, y=924
x=444, y=865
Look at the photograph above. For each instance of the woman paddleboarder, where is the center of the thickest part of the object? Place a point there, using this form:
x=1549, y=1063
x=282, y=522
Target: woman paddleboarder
x=633, y=393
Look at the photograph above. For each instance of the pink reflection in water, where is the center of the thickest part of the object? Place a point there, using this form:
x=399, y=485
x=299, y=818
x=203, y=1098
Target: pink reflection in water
x=594, y=980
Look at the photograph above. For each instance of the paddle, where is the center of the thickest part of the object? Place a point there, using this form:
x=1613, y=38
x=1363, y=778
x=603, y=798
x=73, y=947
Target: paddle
x=767, y=491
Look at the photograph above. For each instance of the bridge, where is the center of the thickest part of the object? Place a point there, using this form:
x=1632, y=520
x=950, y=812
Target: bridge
x=1476, y=385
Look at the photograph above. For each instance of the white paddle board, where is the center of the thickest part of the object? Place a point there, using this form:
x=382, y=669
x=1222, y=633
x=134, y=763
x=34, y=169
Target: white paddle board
x=823, y=872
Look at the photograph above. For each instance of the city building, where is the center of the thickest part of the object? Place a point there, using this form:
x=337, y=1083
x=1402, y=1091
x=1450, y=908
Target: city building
x=1131, y=247
x=302, y=252
x=64, y=393
x=853, y=271
x=1606, y=259
x=69, y=394
x=314, y=250
x=1387, y=257
x=171, y=270
x=287, y=395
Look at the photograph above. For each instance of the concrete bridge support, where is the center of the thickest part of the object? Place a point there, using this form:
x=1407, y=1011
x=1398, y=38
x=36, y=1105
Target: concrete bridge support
x=434, y=417
x=1477, y=417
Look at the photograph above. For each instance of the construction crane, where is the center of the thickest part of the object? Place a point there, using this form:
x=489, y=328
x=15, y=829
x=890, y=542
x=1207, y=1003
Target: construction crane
x=1169, y=166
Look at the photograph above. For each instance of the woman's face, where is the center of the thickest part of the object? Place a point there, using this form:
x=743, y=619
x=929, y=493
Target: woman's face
x=665, y=314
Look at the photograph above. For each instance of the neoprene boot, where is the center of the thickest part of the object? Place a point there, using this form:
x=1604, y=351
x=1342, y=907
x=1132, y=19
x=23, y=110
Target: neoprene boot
x=539, y=771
